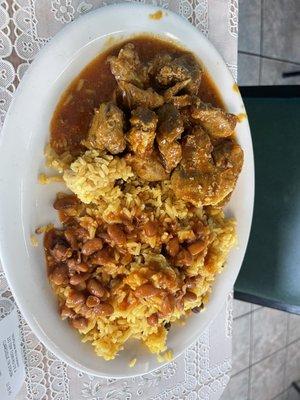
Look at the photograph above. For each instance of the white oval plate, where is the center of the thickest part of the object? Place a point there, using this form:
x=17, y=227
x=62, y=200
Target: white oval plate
x=25, y=205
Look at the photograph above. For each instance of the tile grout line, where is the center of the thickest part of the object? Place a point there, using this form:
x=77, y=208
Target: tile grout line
x=264, y=358
x=272, y=354
x=248, y=312
x=286, y=351
x=242, y=315
x=279, y=394
x=293, y=342
x=242, y=370
x=261, y=41
x=248, y=53
x=250, y=353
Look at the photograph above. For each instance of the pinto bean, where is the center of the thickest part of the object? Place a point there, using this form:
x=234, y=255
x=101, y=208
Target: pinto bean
x=92, y=301
x=102, y=257
x=85, y=311
x=197, y=247
x=72, y=262
x=65, y=202
x=132, y=235
x=59, y=275
x=50, y=239
x=77, y=266
x=105, y=237
x=184, y=259
x=126, y=259
x=81, y=233
x=173, y=247
x=103, y=309
x=81, y=286
x=91, y=246
x=71, y=239
x=75, y=299
x=82, y=267
x=147, y=290
x=199, y=228
x=117, y=234
x=67, y=312
x=79, y=323
x=61, y=252
x=95, y=288
x=190, y=296
x=180, y=304
x=191, y=282
x=167, y=306
x=79, y=278
x=151, y=228
x=153, y=319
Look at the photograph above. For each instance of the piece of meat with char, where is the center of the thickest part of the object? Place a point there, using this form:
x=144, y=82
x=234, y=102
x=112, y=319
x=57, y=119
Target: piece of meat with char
x=171, y=153
x=171, y=95
x=135, y=97
x=157, y=62
x=187, y=120
x=170, y=128
x=181, y=101
x=142, y=133
x=178, y=70
x=217, y=122
x=127, y=67
x=206, y=175
x=148, y=168
x=228, y=159
x=106, y=131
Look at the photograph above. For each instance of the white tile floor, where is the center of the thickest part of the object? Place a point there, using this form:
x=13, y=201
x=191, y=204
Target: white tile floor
x=265, y=354
x=269, y=37
x=266, y=342
x=273, y=324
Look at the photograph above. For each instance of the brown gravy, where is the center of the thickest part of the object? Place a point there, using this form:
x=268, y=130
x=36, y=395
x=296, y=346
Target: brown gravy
x=95, y=84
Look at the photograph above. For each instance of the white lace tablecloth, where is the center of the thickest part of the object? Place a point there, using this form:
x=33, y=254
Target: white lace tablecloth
x=203, y=371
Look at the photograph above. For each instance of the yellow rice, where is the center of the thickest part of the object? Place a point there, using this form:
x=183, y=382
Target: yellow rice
x=92, y=178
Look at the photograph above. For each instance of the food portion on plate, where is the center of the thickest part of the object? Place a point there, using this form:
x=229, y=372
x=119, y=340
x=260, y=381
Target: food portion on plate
x=142, y=141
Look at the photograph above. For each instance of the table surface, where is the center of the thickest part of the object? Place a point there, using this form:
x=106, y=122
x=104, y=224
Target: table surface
x=276, y=220
x=203, y=371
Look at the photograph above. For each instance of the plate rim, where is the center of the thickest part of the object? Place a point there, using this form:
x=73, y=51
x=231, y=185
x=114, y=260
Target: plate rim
x=42, y=53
